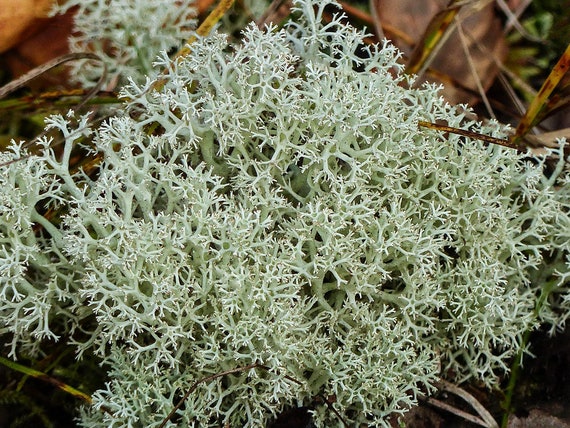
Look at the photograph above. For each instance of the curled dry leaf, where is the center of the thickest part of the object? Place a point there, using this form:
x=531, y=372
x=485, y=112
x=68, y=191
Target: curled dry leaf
x=405, y=22
x=43, y=40
x=18, y=20
x=50, y=41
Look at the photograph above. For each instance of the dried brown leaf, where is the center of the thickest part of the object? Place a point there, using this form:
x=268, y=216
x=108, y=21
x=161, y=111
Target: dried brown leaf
x=18, y=19
x=485, y=42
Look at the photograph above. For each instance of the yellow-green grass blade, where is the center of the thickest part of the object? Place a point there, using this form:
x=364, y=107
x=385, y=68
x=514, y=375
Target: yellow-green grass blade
x=46, y=378
x=543, y=103
x=433, y=35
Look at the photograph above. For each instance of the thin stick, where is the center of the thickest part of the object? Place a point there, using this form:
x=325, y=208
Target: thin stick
x=478, y=407
x=196, y=384
x=238, y=370
x=453, y=410
x=473, y=68
x=470, y=134
x=41, y=69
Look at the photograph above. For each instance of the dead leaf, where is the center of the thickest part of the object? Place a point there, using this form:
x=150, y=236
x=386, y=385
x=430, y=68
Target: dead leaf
x=49, y=42
x=485, y=43
x=45, y=39
x=18, y=19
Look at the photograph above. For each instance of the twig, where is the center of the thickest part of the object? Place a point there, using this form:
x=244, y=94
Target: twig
x=471, y=134
x=239, y=370
x=41, y=69
x=203, y=380
x=485, y=419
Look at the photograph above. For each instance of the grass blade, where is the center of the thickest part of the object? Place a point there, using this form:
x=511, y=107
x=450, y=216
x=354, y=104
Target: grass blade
x=543, y=103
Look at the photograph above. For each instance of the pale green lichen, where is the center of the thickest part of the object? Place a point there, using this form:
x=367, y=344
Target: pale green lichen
x=289, y=212
x=126, y=34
